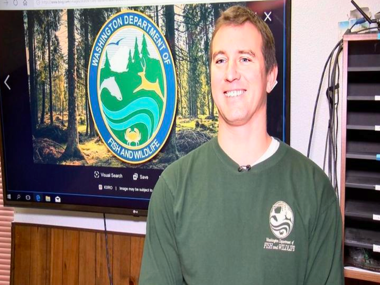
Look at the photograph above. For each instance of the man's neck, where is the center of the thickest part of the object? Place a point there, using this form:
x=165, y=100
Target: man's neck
x=242, y=144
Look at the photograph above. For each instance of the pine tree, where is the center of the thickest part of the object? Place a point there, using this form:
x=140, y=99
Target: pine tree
x=129, y=60
x=144, y=49
x=107, y=65
x=136, y=55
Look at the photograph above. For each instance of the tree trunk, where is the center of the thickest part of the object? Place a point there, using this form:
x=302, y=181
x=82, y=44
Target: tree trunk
x=86, y=55
x=170, y=149
x=42, y=119
x=157, y=19
x=96, y=19
x=72, y=150
x=33, y=95
x=50, y=76
x=207, y=58
x=216, y=8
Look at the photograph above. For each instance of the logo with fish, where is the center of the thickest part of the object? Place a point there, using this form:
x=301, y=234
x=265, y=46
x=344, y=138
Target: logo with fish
x=132, y=87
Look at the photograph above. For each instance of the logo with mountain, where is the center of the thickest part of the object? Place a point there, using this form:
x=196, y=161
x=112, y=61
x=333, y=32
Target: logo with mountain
x=132, y=87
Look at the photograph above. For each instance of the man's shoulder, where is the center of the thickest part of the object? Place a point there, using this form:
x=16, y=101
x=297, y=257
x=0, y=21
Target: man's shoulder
x=300, y=161
x=310, y=177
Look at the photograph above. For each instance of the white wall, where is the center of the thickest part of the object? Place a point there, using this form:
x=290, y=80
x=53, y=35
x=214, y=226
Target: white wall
x=314, y=34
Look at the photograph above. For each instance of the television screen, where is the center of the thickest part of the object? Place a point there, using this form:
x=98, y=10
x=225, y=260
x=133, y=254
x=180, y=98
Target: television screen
x=96, y=102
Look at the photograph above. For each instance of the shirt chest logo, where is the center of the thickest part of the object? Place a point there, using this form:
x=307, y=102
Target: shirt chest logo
x=281, y=222
x=281, y=219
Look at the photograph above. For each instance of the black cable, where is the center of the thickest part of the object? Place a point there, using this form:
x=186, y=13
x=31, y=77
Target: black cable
x=334, y=134
x=334, y=116
x=332, y=95
x=107, y=254
x=318, y=94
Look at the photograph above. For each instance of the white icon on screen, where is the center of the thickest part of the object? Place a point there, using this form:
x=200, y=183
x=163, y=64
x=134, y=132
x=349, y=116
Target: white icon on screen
x=100, y=187
x=27, y=197
x=96, y=174
x=47, y=198
x=9, y=196
x=58, y=199
x=135, y=176
x=267, y=16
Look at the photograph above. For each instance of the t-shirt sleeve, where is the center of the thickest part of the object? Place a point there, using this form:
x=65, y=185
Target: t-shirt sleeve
x=160, y=263
x=325, y=264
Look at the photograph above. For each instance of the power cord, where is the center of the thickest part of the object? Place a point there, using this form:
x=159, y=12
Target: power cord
x=332, y=94
x=107, y=254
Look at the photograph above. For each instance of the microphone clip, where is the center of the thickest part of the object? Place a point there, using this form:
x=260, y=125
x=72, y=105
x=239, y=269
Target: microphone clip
x=244, y=168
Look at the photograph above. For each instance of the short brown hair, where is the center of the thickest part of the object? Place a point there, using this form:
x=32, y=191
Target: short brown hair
x=238, y=15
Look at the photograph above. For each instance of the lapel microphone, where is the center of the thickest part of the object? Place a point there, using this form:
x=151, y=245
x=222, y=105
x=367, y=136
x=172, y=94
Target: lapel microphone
x=244, y=168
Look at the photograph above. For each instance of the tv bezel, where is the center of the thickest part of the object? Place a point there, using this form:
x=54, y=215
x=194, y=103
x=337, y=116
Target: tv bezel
x=133, y=211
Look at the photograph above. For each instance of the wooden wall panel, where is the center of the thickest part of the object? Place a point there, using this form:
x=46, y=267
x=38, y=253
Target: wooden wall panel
x=137, y=247
x=20, y=269
x=55, y=257
x=87, y=258
x=46, y=255
x=38, y=256
x=101, y=258
x=121, y=259
x=70, y=257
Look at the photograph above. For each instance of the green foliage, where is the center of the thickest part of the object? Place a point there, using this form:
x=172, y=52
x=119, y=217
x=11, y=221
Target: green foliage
x=130, y=60
x=136, y=53
x=107, y=65
x=144, y=49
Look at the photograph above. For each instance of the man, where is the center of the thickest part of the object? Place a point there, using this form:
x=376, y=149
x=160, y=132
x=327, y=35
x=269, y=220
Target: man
x=243, y=208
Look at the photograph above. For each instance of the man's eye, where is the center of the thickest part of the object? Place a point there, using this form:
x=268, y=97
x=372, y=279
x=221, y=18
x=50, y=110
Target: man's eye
x=245, y=59
x=219, y=61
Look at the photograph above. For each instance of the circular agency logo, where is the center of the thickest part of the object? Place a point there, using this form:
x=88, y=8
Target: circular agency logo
x=281, y=219
x=132, y=87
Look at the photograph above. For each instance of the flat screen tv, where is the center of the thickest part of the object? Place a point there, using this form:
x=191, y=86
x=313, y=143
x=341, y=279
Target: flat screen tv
x=96, y=102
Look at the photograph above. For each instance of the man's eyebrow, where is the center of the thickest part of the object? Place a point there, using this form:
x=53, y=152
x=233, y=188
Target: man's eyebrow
x=221, y=52
x=250, y=52
x=215, y=54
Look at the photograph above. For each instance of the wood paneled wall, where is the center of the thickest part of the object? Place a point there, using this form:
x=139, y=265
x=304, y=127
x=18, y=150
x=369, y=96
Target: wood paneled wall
x=46, y=255
x=43, y=255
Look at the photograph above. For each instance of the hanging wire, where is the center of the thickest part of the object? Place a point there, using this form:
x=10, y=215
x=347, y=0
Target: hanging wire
x=107, y=252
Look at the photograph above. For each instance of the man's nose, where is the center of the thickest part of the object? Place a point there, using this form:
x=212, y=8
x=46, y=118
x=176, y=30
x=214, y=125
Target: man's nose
x=232, y=72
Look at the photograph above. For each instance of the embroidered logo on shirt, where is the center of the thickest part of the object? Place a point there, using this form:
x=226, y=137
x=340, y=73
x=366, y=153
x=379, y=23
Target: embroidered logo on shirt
x=281, y=221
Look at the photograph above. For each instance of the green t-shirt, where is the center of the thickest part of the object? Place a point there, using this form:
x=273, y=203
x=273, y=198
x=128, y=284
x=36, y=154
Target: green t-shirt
x=278, y=223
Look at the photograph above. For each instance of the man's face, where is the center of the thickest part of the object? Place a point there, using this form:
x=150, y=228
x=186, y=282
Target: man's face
x=239, y=81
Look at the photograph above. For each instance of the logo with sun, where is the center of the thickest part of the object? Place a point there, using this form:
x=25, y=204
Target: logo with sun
x=132, y=87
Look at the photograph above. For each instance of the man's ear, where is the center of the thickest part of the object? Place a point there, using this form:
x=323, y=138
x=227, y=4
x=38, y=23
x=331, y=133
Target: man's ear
x=272, y=78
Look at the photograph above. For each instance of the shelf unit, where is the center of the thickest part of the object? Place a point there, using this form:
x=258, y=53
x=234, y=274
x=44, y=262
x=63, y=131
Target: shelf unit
x=360, y=171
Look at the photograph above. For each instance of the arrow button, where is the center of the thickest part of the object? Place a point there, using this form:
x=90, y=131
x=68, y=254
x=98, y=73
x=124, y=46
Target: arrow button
x=5, y=82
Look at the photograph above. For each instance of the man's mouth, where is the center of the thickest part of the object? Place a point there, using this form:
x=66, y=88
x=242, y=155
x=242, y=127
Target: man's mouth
x=234, y=93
